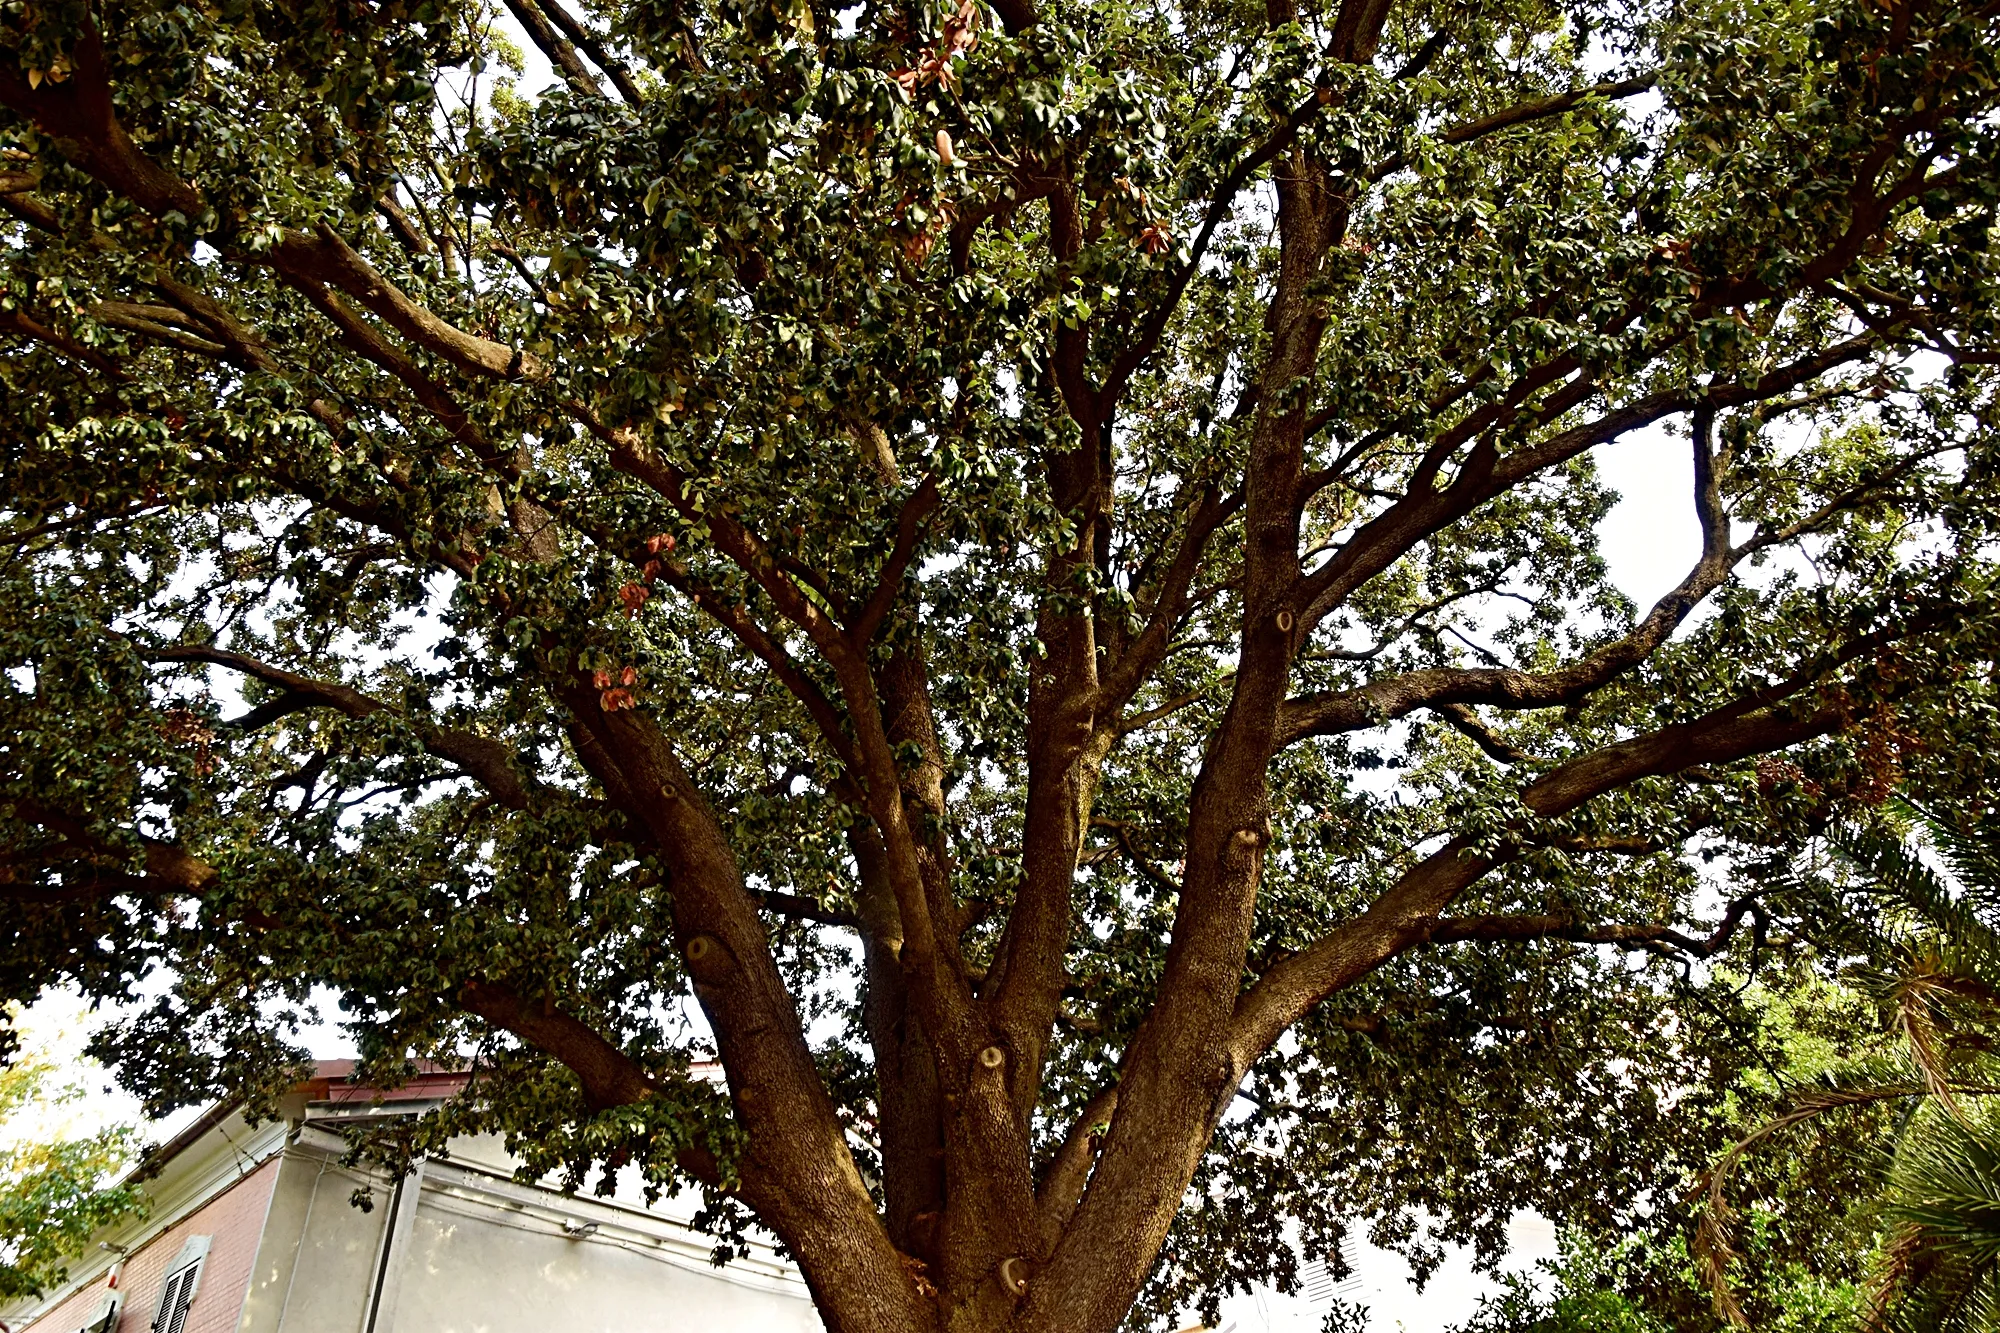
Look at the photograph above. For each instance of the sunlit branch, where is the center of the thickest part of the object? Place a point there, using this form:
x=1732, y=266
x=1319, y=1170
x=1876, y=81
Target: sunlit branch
x=80, y=113
x=557, y=48
x=614, y=68
x=159, y=322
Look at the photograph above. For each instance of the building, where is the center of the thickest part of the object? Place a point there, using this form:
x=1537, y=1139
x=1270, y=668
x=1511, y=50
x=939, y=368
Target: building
x=252, y=1231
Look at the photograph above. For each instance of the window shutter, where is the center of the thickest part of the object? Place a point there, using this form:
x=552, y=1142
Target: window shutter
x=177, y=1292
x=104, y=1319
x=175, y=1315
x=170, y=1299
x=1316, y=1282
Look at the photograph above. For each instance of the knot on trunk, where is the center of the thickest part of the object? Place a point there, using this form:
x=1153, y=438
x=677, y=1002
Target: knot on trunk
x=709, y=960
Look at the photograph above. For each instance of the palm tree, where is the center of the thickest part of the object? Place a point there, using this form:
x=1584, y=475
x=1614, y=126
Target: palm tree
x=1939, y=1268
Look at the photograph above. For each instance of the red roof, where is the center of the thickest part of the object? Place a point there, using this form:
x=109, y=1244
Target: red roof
x=333, y=1081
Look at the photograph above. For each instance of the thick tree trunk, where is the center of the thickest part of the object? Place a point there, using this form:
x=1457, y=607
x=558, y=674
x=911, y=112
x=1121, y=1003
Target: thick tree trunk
x=797, y=1172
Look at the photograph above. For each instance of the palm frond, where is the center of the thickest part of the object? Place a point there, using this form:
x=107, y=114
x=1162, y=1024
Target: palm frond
x=1713, y=1245
x=1972, y=853
x=1920, y=996
x=1897, y=877
x=1946, y=1181
x=1942, y=1295
x=1939, y=1268
x=1894, y=1266
x=1940, y=1272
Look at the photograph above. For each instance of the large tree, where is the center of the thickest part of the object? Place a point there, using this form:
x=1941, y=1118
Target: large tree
x=1024, y=573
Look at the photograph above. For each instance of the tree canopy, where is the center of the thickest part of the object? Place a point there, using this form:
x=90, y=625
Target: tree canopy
x=1024, y=573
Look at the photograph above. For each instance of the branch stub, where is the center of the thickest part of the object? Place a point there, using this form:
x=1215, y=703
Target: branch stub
x=708, y=958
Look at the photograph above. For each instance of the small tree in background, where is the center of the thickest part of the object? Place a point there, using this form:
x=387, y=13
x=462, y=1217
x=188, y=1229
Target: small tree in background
x=55, y=1193
x=1912, y=1105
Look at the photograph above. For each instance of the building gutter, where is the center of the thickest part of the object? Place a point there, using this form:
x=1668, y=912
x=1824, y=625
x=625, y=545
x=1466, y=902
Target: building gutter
x=156, y=1159
x=387, y=1281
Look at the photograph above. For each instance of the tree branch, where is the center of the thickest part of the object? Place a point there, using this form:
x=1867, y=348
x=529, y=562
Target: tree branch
x=1423, y=512
x=1170, y=601
x=1223, y=199
x=1121, y=832
x=909, y=529
x=1466, y=722
x=808, y=1188
x=80, y=114
x=143, y=320
x=799, y=908
x=1440, y=688
x=25, y=325
x=482, y=758
x=609, y=1076
x=169, y=867
x=559, y=51
x=1541, y=109
x=1407, y=913
x=1068, y=1171
x=614, y=68
x=1659, y=939
x=739, y=622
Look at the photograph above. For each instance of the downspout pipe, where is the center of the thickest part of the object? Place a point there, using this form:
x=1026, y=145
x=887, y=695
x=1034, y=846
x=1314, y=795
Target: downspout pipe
x=387, y=1280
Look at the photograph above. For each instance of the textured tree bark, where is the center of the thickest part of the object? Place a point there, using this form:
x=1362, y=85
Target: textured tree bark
x=1174, y=1083
x=797, y=1171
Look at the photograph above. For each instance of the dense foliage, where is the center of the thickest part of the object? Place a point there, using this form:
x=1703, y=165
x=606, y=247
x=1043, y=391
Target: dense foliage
x=1639, y=1287
x=1862, y=1193
x=1025, y=574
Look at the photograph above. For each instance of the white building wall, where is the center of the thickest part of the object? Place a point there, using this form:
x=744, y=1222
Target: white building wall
x=318, y=1256
x=486, y=1254
x=475, y=1266
x=482, y=1253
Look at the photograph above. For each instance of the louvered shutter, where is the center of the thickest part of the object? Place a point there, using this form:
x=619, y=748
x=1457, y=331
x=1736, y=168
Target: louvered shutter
x=174, y=1310
x=170, y=1299
x=1316, y=1282
x=177, y=1292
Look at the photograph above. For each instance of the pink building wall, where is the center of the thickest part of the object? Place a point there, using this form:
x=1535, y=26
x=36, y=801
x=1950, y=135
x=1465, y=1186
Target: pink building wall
x=234, y=1223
